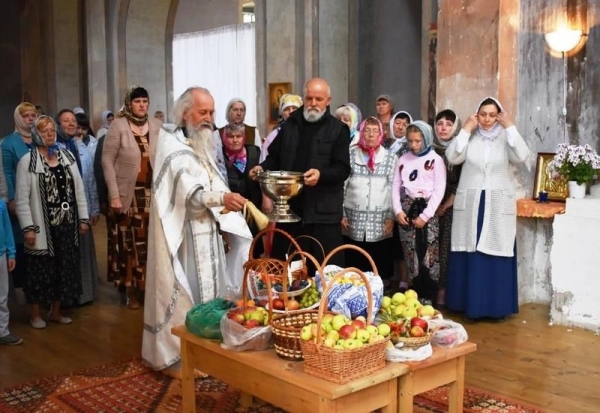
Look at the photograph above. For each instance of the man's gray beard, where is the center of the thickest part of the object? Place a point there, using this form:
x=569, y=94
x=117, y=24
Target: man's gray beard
x=313, y=115
x=201, y=141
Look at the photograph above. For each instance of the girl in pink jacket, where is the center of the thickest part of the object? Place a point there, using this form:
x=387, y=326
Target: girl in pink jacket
x=418, y=189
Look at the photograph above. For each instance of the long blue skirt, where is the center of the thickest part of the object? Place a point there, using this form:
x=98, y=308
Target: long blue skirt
x=482, y=285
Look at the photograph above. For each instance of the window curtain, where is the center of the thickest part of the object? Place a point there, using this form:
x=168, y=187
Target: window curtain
x=221, y=60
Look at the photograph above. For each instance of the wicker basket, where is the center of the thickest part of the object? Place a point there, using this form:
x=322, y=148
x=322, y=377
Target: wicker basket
x=268, y=270
x=287, y=326
x=413, y=343
x=342, y=366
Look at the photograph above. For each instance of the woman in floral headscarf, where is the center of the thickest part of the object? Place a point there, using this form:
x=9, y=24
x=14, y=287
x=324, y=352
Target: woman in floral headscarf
x=52, y=212
x=368, y=217
x=126, y=163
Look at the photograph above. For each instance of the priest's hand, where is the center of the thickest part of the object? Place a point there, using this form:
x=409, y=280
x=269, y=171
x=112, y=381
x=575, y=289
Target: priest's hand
x=233, y=201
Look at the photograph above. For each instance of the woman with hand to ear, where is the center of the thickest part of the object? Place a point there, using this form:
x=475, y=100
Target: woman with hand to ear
x=482, y=273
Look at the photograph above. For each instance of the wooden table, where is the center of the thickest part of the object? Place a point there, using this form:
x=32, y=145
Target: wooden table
x=283, y=383
x=446, y=366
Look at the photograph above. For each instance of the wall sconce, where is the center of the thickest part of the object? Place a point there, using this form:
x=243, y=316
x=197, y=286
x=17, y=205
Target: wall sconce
x=563, y=41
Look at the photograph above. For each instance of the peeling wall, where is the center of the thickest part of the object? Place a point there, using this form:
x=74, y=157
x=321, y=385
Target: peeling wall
x=576, y=265
x=541, y=122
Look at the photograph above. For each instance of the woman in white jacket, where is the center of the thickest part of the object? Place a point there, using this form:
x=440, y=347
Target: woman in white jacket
x=52, y=212
x=482, y=274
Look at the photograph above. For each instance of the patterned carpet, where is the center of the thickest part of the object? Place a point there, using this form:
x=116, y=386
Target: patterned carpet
x=128, y=387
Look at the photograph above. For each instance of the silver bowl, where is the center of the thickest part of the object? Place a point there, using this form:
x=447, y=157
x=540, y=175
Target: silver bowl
x=281, y=186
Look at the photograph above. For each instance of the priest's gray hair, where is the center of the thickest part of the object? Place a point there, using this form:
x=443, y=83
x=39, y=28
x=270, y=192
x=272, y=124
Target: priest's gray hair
x=185, y=103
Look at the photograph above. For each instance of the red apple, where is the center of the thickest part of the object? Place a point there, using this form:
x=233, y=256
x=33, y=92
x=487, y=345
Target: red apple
x=278, y=304
x=347, y=332
x=417, y=321
x=417, y=331
x=251, y=324
x=263, y=303
x=358, y=324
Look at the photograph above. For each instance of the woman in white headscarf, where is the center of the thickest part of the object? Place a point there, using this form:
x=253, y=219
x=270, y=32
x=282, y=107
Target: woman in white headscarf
x=351, y=116
x=107, y=118
x=482, y=274
x=447, y=125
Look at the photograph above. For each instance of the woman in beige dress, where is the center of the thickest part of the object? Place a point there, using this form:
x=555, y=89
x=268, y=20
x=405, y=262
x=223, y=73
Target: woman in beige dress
x=126, y=157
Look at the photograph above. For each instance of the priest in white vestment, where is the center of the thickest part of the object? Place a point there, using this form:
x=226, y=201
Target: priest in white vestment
x=187, y=259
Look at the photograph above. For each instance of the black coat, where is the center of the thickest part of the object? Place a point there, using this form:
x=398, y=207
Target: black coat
x=329, y=154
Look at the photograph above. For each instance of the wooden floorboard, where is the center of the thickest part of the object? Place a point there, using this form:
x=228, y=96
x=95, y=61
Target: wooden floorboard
x=524, y=358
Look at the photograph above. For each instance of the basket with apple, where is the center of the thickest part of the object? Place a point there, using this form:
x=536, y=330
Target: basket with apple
x=408, y=319
x=260, y=274
x=354, y=356
x=289, y=320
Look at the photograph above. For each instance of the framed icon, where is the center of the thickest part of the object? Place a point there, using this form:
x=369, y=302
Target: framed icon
x=556, y=188
x=275, y=92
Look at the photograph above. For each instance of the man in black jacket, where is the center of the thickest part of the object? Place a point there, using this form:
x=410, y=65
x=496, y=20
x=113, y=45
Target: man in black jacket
x=315, y=143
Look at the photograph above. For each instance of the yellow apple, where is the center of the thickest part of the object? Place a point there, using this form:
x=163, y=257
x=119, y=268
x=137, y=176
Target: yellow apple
x=398, y=298
x=409, y=312
x=398, y=310
x=413, y=303
x=411, y=294
x=386, y=302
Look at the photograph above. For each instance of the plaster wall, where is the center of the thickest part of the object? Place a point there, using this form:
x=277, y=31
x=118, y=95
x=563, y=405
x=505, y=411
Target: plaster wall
x=333, y=49
x=541, y=122
x=389, y=58
x=10, y=87
x=97, y=79
x=67, y=55
x=145, y=49
x=198, y=15
x=575, y=263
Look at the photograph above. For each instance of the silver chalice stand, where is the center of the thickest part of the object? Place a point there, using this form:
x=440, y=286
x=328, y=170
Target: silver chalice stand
x=281, y=186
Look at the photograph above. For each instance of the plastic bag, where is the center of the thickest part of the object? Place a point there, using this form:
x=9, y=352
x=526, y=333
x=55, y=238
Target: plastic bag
x=400, y=355
x=447, y=333
x=239, y=338
x=349, y=299
x=204, y=320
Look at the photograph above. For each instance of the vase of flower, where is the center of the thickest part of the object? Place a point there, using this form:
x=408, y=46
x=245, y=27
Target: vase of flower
x=576, y=190
x=576, y=164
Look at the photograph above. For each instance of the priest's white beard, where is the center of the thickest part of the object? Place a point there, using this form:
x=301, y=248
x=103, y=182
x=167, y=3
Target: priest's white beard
x=313, y=115
x=201, y=140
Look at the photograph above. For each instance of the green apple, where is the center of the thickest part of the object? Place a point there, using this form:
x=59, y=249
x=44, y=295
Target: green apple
x=338, y=322
x=338, y=347
x=258, y=316
x=398, y=310
x=329, y=342
x=398, y=298
x=363, y=335
x=409, y=312
x=306, y=333
x=333, y=335
x=426, y=311
x=350, y=344
x=386, y=302
x=384, y=329
x=372, y=329
x=411, y=294
x=327, y=319
x=413, y=302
